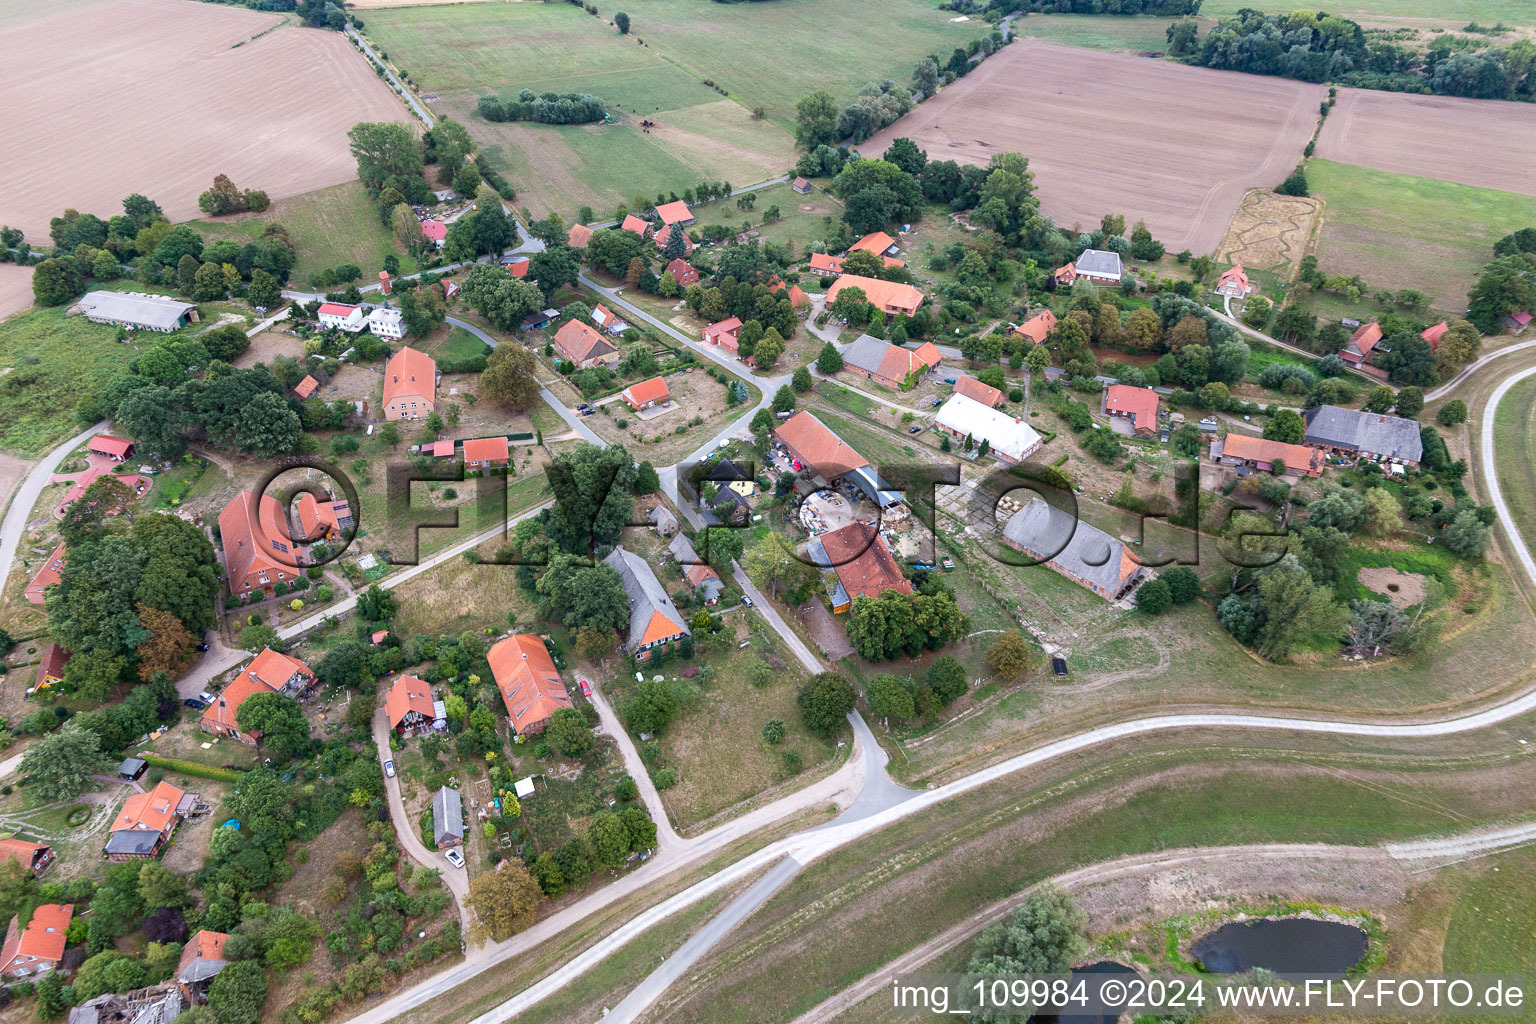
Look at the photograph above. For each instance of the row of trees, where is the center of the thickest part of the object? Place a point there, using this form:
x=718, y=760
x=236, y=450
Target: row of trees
x=1316, y=47
x=545, y=108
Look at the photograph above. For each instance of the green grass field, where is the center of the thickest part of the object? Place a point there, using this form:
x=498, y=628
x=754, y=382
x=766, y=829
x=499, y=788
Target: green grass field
x=1399, y=231
x=560, y=48
x=1495, y=915
x=1514, y=440
x=329, y=227
x=761, y=55
x=1102, y=32
x=47, y=362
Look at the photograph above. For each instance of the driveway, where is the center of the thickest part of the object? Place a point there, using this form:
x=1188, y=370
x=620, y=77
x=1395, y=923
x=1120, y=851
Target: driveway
x=667, y=838
x=457, y=879
x=15, y=524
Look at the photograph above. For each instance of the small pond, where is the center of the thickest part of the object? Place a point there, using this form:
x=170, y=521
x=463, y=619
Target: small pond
x=1103, y=967
x=1292, y=945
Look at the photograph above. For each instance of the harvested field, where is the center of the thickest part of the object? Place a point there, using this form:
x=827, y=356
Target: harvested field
x=1403, y=589
x=15, y=289
x=1435, y=137
x=159, y=92
x=1269, y=232
x=268, y=345
x=1093, y=150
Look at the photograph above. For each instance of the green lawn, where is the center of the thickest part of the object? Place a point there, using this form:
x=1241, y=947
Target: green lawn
x=1514, y=441
x=1399, y=231
x=772, y=54
x=1493, y=920
x=1102, y=32
x=47, y=362
x=329, y=227
x=560, y=48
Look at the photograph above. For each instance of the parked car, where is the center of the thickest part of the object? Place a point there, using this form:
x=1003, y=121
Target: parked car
x=1164, y=437
x=746, y=599
x=206, y=697
x=588, y=412
x=455, y=858
x=194, y=704
x=914, y=430
x=949, y=380
x=202, y=647
x=935, y=403
x=389, y=769
x=586, y=688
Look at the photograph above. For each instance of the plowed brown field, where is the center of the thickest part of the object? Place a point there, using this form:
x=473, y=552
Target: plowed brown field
x=1485, y=143
x=111, y=97
x=1110, y=133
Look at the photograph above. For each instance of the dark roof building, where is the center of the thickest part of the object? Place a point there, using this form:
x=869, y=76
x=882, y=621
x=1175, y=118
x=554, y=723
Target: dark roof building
x=1084, y=554
x=447, y=818
x=1354, y=432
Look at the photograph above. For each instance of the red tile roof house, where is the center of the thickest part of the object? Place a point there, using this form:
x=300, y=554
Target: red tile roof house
x=822, y=454
x=797, y=298
x=1517, y=322
x=530, y=686
x=682, y=272
x=51, y=572
x=306, y=387
x=268, y=672
x=1435, y=333
x=724, y=333
x=890, y=297
x=201, y=958
x=826, y=265
x=114, y=448
x=801, y=186
x=35, y=857
x=517, y=266
x=320, y=520
x=410, y=385
x=435, y=231
x=1234, y=283
x=976, y=391
x=1358, y=348
x=862, y=564
x=440, y=449
x=342, y=316
x=39, y=948
x=1139, y=405
x=891, y=365
x=408, y=705
x=637, y=225
x=877, y=242
x=1037, y=328
x=577, y=343
x=674, y=214
x=579, y=236
x=1259, y=453
x=486, y=453
x=259, y=550
x=665, y=234
x=146, y=822
x=647, y=394
x=607, y=320
x=50, y=671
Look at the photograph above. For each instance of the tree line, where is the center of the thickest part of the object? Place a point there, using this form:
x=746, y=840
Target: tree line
x=1317, y=47
x=545, y=108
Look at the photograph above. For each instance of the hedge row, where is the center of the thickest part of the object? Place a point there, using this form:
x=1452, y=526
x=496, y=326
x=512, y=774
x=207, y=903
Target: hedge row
x=203, y=771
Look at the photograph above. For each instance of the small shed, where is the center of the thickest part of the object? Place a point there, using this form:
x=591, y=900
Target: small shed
x=1059, y=667
x=131, y=769
x=523, y=788
x=447, y=818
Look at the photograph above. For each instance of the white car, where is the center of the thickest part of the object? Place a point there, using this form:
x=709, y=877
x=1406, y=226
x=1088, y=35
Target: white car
x=389, y=769
x=455, y=858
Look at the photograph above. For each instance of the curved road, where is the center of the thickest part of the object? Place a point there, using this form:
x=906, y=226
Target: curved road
x=15, y=524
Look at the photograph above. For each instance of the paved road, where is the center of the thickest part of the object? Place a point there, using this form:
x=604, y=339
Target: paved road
x=675, y=966
x=15, y=523
x=1471, y=368
x=457, y=879
x=405, y=92
x=1490, y=479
